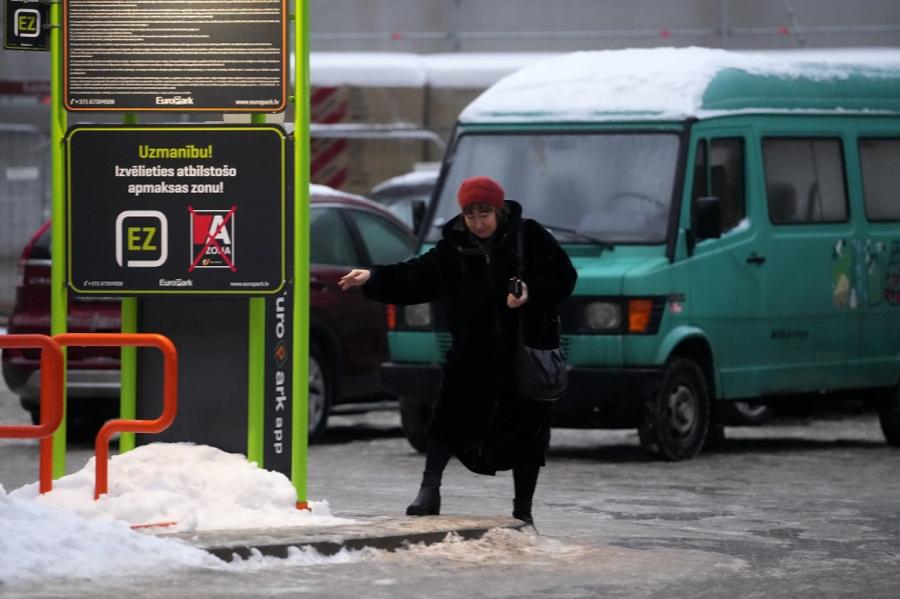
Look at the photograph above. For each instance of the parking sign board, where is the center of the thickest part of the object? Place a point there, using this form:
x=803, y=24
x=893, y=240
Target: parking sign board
x=25, y=25
x=183, y=210
x=185, y=55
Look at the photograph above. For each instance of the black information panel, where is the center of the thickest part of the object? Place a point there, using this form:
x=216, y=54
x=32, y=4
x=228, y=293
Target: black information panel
x=182, y=210
x=184, y=55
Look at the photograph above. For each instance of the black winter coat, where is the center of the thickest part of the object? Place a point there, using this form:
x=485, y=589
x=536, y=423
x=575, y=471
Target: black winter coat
x=477, y=412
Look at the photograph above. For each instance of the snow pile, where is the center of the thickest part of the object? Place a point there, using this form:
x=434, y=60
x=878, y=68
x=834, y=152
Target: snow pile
x=43, y=542
x=197, y=486
x=67, y=533
x=658, y=82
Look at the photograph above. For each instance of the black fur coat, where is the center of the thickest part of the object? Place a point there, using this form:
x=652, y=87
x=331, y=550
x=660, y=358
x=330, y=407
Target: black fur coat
x=478, y=413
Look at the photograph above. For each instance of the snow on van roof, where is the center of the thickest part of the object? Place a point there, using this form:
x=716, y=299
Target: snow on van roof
x=657, y=83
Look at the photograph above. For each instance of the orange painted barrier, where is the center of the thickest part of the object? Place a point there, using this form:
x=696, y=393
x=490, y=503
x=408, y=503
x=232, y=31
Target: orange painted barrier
x=170, y=392
x=51, y=401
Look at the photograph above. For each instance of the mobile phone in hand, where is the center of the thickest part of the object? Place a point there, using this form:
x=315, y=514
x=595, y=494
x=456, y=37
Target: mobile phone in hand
x=515, y=287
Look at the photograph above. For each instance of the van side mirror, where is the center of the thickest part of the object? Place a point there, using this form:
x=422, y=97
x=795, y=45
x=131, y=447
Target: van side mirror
x=709, y=218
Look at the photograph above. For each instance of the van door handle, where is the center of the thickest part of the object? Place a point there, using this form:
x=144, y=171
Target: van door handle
x=754, y=258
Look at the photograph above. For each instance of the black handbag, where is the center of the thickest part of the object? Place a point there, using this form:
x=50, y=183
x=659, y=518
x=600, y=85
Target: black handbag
x=541, y=374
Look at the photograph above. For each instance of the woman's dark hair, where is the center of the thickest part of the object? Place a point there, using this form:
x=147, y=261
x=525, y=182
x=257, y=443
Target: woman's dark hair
x=502, y=214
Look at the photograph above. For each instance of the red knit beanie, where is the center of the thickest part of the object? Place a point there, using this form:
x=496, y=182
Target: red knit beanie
x=482, y=190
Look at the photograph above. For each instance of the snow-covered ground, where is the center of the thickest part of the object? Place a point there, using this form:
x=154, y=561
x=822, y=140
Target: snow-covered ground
x=66, y=533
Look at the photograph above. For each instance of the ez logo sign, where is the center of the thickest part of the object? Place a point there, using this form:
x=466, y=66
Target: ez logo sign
x=142, y=238
x=26, y=25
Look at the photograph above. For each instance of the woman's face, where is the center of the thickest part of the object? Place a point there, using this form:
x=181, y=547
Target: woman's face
x=481, y=220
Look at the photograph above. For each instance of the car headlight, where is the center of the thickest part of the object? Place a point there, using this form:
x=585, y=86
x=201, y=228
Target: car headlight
x=602, y=316
x=417, y=315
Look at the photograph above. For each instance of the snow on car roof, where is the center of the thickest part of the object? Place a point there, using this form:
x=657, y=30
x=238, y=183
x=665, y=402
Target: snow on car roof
x=676, y=83
x=410, y=179
x=397, y=69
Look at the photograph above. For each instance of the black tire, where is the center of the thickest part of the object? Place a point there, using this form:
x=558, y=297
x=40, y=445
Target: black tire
x=889, y=416
x=321, y=393
x=414, y=418
x=676, y=418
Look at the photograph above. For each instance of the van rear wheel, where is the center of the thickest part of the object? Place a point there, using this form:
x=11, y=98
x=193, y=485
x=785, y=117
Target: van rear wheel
x=676, y=419
x=889, y=415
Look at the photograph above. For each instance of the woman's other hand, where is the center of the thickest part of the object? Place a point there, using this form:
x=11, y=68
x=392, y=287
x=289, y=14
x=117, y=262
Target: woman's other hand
x=513, y=301
x=354, y=278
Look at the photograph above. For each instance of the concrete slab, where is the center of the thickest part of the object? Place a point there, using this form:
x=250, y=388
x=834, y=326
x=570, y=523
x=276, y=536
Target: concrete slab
x=387, y=533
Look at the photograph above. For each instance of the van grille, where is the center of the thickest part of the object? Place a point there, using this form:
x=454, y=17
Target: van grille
x=443, y=344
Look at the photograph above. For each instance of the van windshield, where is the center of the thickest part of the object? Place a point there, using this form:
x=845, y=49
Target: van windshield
x=615, y=187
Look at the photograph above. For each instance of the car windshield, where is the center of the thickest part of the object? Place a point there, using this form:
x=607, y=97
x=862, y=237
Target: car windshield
x=615, y=187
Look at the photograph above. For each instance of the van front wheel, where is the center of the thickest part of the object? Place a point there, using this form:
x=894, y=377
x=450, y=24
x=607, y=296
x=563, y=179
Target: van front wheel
x=889, y=415
x=676, y=418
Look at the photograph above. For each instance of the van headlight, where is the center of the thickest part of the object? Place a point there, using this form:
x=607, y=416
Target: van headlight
x=417, y=316
x=602, y=316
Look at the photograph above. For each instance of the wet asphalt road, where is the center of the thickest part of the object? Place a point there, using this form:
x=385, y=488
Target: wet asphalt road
x=802, y=508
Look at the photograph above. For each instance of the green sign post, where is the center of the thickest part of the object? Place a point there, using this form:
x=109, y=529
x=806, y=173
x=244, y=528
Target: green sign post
x=131, y=246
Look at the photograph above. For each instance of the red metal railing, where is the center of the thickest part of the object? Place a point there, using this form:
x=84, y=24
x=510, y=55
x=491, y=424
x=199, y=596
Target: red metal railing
x=51, y=401
x=170, y=392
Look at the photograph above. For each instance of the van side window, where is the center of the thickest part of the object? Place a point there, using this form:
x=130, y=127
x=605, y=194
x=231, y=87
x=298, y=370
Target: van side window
x=700, y=188
x=805, y=181
x=726, y=179
x=880, y=160
x=723, y=179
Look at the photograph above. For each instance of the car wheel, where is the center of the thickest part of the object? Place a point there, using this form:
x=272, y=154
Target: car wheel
x=414, y=418
x=889, y=415
x=676, y=418
x=321, y=390
x=745, y=413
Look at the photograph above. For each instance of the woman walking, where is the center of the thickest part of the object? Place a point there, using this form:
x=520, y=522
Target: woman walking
x=472, y=271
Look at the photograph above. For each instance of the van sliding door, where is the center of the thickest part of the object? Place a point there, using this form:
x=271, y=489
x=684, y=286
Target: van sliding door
x=810, y=303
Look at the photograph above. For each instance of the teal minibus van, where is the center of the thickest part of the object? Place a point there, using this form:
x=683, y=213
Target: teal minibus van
x=734, y=219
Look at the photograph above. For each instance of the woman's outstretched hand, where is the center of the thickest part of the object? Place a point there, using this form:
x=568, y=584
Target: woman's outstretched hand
x=354, y=278
x=513, y=301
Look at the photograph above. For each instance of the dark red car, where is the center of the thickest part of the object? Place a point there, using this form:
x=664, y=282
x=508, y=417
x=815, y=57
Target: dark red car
x=348, y=338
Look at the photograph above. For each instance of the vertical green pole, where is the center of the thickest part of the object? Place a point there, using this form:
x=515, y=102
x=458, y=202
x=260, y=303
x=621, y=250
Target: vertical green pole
x=58, y=295
x=256, y=368
x=128, y=392
x=256, y=380
x=300, y=382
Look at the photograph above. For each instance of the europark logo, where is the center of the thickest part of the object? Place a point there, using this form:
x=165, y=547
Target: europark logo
x=174, y=101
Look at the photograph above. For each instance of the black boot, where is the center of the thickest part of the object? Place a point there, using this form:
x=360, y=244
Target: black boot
x=522, y=511
x=428, y=501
